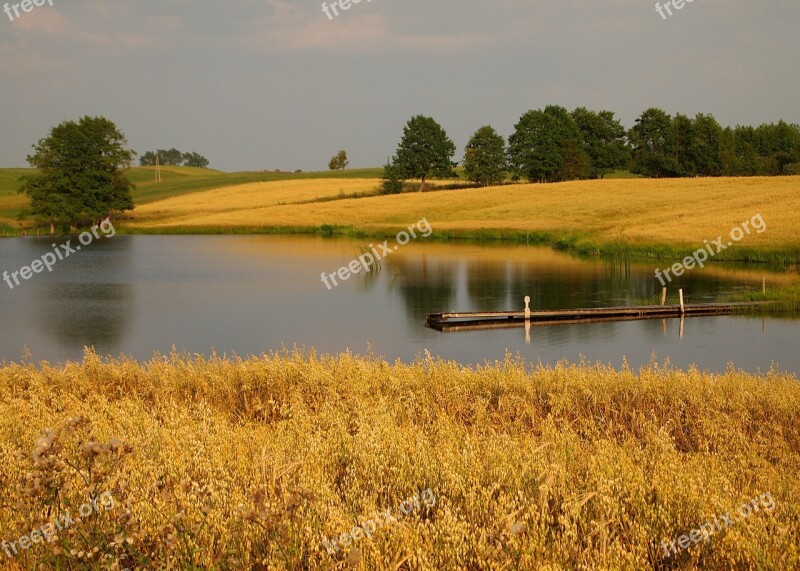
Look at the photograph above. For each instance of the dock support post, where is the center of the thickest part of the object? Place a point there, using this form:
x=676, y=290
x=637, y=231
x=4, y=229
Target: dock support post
x=680, y=293
x=663, y=296
x=527, y=308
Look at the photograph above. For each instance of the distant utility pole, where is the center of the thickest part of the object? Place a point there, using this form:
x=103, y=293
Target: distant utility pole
x=158, y=169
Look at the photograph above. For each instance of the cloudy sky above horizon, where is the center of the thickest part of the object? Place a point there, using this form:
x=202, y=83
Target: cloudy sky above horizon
x=266, y=84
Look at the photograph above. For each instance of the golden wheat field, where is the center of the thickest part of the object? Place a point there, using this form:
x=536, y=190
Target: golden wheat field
x=224, y=463
x=671, y=211
x=238, y=200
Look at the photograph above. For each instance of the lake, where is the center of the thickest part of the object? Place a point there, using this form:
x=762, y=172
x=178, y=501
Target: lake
x=137, y=295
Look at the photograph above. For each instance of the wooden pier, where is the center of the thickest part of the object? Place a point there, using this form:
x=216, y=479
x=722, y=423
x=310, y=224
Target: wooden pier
x=467, y=321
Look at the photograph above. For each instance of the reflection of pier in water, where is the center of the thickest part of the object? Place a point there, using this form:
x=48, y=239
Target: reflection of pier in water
x=455, y=322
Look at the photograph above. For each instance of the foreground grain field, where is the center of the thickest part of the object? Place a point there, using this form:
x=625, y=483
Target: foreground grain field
x=272, y=462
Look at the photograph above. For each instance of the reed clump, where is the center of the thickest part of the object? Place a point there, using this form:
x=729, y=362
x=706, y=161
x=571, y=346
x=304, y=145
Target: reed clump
x=229, y=463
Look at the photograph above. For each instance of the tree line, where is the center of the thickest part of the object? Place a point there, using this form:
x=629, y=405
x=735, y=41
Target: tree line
x=173, y=157
x=81, y=165
x=554, y=145
x=665, y=146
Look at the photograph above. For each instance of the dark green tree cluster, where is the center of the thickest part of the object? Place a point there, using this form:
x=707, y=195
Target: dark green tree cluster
x=603, y=140
x=552, y=145
x=547, y=145
x=81, y=173
x=173, y=157
x=665, y=146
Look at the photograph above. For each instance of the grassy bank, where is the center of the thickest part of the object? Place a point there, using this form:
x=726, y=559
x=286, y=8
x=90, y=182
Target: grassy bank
x=632, y=218
x=784, y=296
x=231, y=464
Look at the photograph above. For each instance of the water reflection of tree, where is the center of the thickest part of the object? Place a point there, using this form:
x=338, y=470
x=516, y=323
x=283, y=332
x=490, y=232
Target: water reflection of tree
x=554, y=287
x=426, y=286
x=429, y=284
x=550, y=288
x=487, y=285
x=84, y=303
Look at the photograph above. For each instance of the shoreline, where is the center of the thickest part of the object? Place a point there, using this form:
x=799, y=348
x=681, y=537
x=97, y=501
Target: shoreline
x=616, y=218
x=577, y=244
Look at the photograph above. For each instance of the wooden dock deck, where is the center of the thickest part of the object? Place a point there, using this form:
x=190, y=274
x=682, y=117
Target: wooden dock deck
x=464, y=321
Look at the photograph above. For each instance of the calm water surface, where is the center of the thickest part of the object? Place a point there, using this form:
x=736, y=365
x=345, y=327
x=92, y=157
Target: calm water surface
x=136, y=295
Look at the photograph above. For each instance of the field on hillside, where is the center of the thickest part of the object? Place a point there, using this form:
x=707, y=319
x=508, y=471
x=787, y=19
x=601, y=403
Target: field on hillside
x=637, y=212
x=646, y=217
x=175, y=181
x=254, y=464
x=239, y=200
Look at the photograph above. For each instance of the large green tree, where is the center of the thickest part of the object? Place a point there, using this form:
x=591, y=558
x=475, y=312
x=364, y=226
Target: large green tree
x=680, y=146
x=424, y=151
x=603, y=140
x=485, y=157
x=652, y=141
x=81, y=173
x=547, y=146
x=707, y=146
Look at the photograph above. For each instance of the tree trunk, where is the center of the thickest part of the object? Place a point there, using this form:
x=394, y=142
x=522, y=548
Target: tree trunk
x=52, y=229
x=422, y=184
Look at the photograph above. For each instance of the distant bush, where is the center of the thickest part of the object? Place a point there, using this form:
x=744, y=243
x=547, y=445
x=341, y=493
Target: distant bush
x=393, y=182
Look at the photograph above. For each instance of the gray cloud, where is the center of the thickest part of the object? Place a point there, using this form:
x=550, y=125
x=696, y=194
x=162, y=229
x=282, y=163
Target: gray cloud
x=257, y=84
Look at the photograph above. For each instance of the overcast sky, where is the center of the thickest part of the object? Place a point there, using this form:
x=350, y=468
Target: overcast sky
x=266, y=84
